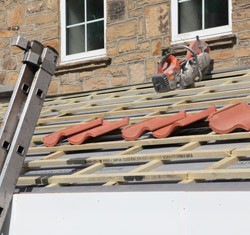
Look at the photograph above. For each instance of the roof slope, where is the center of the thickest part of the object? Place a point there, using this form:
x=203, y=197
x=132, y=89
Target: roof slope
x=193, y=153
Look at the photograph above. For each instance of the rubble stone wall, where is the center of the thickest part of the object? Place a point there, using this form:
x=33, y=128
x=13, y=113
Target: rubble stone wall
x=137, y=31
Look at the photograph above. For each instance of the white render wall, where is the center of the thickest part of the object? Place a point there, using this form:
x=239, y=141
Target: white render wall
x=131, y=213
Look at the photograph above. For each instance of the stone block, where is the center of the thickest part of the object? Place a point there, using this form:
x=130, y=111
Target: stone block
x=143, y=3
x=151, y=67
x=156, y=47
x=136, y=73
x=156, y=20
x=51, y=32
x=11, y=78
x=245, y=35
x=118, y=70
x=131, y=5
x=111, y=51
x=73, y=88
x=85, y=74
x=131, y=57
x=116, y=10
x=2, y=78
x=226, y=64
x=102, y=71
x=141, y=26
x=241, y=26
x=46, y=18
x=127, y=45
x=121, y=30
x=135, y=13
x=53, y=5
x=95, y=83
x=54, y=87
x=241, y=14
x=119, y=81
x=4, y=42
x=222, y=54
x=35, y=6
x=242, y=52
x=29, y=20
x=16, y=15
x=9, y=63
x=7, y=33
x=240, y=2
x=144, y=45
x=244, y=43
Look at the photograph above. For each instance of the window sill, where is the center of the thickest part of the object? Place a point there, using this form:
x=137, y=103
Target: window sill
x=213, y=41
x=219, y=42
x=87, y=65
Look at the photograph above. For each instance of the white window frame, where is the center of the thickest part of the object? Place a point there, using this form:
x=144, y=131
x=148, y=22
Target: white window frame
x=82, y=55
x=205, y=33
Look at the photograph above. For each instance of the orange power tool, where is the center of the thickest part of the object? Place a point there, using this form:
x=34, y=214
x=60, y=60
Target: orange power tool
x=173, y=72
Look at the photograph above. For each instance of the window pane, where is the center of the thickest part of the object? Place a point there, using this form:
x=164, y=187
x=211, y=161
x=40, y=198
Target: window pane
x=190, y=16
x=216, y=13
x=95, y=35
x=94, y=9
x=76, y=40
x=75, y=11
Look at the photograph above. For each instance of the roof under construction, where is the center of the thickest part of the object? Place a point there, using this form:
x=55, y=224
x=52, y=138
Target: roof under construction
x=191, y=152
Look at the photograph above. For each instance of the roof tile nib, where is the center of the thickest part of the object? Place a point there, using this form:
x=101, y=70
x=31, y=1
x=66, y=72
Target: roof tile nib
x=100, y=130
x=189, y=119
x=54, y=138
x=230, y=118
x=135, y=131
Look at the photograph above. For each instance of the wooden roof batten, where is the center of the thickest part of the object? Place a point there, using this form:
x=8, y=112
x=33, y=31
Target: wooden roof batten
x=184, y=157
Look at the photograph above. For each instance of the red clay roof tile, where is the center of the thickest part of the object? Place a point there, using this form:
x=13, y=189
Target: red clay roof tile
x=133, y=132
x=54, y=138
x=189, y=119
x=230, y=118
x=100, y=130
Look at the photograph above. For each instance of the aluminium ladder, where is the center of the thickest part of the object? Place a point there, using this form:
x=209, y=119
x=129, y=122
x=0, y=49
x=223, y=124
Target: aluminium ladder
x=18, y=126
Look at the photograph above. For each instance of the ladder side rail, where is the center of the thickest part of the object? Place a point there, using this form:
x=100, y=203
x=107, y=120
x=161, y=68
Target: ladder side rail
x=24, y=132
x=19, y=95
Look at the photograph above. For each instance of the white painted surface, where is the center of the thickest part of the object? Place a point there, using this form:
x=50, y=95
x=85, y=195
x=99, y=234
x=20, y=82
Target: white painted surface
x=131, y=213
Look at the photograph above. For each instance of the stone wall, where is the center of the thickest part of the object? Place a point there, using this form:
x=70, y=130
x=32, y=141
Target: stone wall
x=35, y=20
x=137, y=31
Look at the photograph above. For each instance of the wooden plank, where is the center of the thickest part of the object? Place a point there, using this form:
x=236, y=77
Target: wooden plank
x=216, y=174
x=99, y=178
x=132, y=158
x=143, y=142
x=54, y=155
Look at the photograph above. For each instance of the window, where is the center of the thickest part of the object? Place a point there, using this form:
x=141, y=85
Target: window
x=204, y=18
x=82, y=29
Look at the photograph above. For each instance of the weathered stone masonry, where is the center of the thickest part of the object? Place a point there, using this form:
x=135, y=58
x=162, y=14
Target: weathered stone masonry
x=137, y=31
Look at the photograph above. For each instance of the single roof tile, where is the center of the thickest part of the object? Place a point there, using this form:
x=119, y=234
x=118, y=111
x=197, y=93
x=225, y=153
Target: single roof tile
x=55, y=137
x=135, y=131
x=230, y=118
x=189, y=119
x=100, y=130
